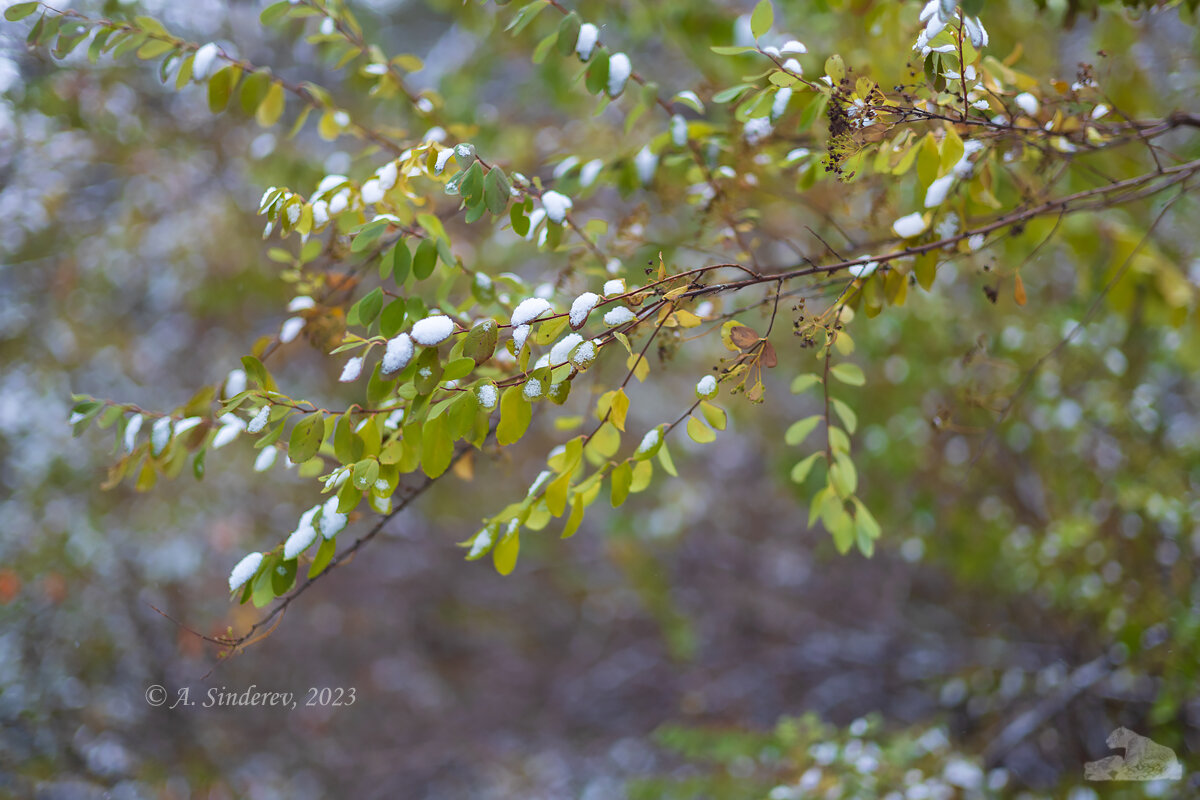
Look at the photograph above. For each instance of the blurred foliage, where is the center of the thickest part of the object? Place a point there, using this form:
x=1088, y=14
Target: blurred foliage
x=991, y=289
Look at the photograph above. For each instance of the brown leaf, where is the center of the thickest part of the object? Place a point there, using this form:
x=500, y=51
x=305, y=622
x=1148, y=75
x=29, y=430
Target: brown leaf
x=1019, y=291
x=768, y=358
x=744, y=337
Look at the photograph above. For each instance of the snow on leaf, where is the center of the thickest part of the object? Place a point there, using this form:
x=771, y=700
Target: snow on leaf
x=352, y=370
x=706, y=387
x=528, y=310
x=266, y=459
x=586, y=43
x=244, y=570
x=397, y=355
x=619, y=70
x=562, y=349
x=432, y=331
x=581, y=307
x=260, y=420
x=618, y=315
x=556, y=205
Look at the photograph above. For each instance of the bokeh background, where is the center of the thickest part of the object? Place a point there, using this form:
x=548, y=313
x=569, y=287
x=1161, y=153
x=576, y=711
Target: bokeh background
x=1028, y=595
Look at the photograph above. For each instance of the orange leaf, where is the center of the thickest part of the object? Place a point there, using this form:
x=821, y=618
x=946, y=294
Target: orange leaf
x=1019, y=291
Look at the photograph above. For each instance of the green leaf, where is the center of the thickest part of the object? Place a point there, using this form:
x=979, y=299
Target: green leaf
x=803, y=467
x=622, y=479
x=283, y=576
x=762, y=19
x=391, y=321
x=799, y=430
x=19, y=11
x=480, y=342
x=523, y=17
x=843, y=475
x=274, y=12
x=328, y=546
x=803, y=382
x=401, y=262
x=699, y=432
x=847, y=415
x=733, y=50
x=425, y=259
x=714, y=414
x=568, y=33
x=515, y=416
x=496, y=191
x=835, y=68
x=732, y=93
x=306, y=438
x=152, y=49
x=865, y=520
x=367, y=236
x=575, y=518
x=850, y=374
x=364, y=474
x=271, y=108
x=370, y=306
x=458, y=368
x=664, y=458
x=516, y=216
x=597, y=72
x=471, y=187
x=971, y=8
x=504, y=555
x=220, y=88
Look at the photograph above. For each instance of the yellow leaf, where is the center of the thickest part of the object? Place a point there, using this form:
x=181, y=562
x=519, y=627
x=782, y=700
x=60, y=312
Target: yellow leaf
x=619, y=409
x=271, y=108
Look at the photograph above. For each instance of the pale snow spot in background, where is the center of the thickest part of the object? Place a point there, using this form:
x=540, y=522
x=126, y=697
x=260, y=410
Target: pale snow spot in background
x=235, y=382
x=645, y=162
x=589, y=171
x=1027, y=103
x=266, y=459
x=291, y=329
x=911, y=225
